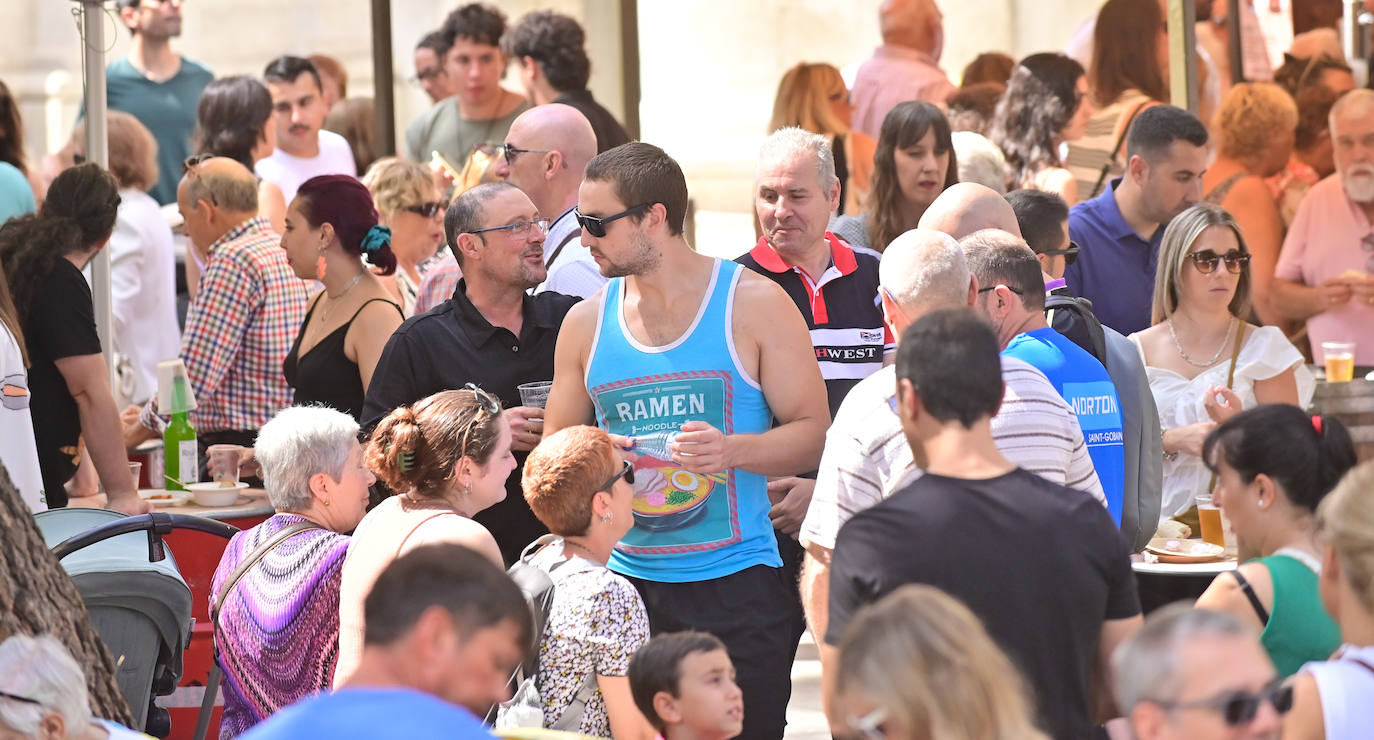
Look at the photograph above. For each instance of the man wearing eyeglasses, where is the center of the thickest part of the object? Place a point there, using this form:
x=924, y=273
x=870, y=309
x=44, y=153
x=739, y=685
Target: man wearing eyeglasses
x=688, y=361
x=429, y=66
x=491, y=332
x=1200, y=675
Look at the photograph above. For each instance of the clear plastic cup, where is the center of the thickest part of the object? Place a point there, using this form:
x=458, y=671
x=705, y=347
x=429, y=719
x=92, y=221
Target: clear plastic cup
x=223, y=464
x=136, y=471
x=1339, y=358
x=535, y=395
x=1209, y=521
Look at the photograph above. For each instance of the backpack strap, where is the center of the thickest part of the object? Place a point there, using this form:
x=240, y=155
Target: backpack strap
x=1107, y=166
x=571, y=719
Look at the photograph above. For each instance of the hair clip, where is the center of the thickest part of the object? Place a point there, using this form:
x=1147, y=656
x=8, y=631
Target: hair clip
x=377, y=238
x=1317, y=424
x=407, y=461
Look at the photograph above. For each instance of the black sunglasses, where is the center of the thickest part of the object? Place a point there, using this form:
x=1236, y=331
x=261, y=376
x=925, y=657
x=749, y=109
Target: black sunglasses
x=1240, y=707
x=597, y=226
x=1206, y=261
x=427, y=210
x=1000, y=285
x=1070, y=254
x=627, y=471
x=511, y=151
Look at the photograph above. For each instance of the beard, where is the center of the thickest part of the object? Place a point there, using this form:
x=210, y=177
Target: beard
x=1358, y=182
x=643, y=258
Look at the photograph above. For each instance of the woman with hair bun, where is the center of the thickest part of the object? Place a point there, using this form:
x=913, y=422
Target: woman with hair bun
x=448, y=456
x=331, y=224
x=1274, y=464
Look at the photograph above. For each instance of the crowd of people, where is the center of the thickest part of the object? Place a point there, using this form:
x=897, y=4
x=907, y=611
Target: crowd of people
x=990, y=341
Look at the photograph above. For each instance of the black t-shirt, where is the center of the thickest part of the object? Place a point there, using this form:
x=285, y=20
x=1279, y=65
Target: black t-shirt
x=1040, y=564
x=59, y=323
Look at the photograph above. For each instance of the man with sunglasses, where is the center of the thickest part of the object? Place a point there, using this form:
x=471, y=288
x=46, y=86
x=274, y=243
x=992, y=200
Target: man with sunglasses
x=688, y=362
x=1197, y=675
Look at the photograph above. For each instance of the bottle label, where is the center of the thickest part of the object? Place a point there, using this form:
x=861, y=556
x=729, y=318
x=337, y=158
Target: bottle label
x=187, y=467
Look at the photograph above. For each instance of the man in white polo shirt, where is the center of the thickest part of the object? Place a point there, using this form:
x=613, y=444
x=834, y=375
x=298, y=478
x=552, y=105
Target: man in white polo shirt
x=304, y=148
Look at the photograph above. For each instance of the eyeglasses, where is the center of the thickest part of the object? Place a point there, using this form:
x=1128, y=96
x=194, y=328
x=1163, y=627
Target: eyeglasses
x=1069, y=255
x=425, y=75
x=597, y=226
x=627, y=471
x=520, y=229
x=427, y=210
x=21, y=699
x=1239, y=707
x=1206, y=261
x=1000, y=285
x=511, y=151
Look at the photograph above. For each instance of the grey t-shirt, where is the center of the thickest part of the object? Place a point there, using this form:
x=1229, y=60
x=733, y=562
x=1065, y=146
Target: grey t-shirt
x=442, y=129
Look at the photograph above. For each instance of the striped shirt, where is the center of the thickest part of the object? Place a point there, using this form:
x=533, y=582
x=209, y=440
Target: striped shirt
x=1105, y=128
x=867, y=458
x=239, y=328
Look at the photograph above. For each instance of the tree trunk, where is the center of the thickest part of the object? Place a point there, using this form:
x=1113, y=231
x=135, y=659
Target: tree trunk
x=37, y=597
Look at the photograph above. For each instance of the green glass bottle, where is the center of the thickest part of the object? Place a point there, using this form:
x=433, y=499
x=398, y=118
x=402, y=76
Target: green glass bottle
x=179, y=453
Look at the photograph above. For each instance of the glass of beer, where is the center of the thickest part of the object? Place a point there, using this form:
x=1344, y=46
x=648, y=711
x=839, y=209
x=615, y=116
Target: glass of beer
x=1340, y=361
x=1209, y=521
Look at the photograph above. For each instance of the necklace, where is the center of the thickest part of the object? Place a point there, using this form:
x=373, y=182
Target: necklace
x=1179, y=345
x=329, y=299
x=580, y=546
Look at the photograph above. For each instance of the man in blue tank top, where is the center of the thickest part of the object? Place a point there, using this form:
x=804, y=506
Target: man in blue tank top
x=687, y=361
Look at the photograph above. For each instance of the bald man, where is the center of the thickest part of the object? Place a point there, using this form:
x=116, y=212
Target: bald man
x=967, y=207
x=547, y=150
x=905, y=67
x=247, y=311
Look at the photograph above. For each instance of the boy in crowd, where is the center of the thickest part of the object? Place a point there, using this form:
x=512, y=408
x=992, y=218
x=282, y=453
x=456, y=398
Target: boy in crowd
x=684, y=683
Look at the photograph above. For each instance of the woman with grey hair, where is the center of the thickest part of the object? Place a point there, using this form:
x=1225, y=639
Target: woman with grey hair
x=43, y=694
x=277, y=631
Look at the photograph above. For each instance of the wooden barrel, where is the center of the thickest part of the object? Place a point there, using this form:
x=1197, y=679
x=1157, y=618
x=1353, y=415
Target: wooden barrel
x=1353, y=404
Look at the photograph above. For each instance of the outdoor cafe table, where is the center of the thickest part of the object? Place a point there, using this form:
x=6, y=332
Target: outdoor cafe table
x=1164, y=583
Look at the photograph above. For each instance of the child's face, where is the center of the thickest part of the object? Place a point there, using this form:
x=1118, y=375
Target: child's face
x=708, y=704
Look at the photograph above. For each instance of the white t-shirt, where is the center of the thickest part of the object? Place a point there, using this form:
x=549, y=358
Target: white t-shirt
x=18, y=450
x=867, y=458
x=574, y=272
x=288, y=172
x=143, y=286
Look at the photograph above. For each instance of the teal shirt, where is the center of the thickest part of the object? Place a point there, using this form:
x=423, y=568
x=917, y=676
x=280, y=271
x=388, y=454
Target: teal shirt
x=168, y=109
x=1299, y=629
x=16, y=195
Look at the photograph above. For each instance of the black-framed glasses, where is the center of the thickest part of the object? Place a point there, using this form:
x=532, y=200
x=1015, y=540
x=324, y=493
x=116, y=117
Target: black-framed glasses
x=520, y=229
x=1000, y=285
x=511, y=152
x=1206, y=261
x=596, y=226
x=428, y=210
x=1239, y=708
x=1070, y=254
x=21, y=699
x=627, y=471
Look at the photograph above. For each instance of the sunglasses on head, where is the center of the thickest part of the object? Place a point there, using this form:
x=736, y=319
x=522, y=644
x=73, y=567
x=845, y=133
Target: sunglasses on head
x=1206, y=261
x=1069, y=254
x=428, y=210
x=627, y=471
x=1238, y=708
x=596, y=226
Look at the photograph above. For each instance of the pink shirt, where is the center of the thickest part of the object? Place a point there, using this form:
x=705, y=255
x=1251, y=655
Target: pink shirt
x=893, y=75
x=1322, y=243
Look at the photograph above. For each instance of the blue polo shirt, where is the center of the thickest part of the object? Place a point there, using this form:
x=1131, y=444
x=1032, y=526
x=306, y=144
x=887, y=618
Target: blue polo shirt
x=1086, y=386
x=1115, y=268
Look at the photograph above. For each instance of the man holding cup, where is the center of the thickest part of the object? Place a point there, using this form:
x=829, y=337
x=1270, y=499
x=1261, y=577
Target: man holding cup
x=491, y=333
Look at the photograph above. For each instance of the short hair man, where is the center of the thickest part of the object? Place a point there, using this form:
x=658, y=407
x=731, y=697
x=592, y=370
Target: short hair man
x=1119, y=231
x=949, y=386
x=480, y=111
x=304, y=148
x=706, y=372
x=546, y=151
x=247, y=311
x=905, y=67
x=1197, y=674
x=549, y=47
x=1044, y=221
x=445, y=630
x=966, y=207
x=158, y=86
x=1324, y=274
x=1012, y=299
x=684, y=684
x=490, y=333
x=429, y=66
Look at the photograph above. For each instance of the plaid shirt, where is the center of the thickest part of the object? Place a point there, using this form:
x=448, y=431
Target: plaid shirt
x=239, y=329
x=438, y=283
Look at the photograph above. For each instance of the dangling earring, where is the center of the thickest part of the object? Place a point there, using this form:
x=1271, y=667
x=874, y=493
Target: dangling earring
x=320, y=266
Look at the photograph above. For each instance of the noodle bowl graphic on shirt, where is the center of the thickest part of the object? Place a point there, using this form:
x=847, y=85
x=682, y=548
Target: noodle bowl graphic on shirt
x=668, y=497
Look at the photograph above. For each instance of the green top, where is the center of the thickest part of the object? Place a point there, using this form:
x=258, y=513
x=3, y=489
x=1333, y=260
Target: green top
x=1299, y=629
x=442, y=129
x=167, y=109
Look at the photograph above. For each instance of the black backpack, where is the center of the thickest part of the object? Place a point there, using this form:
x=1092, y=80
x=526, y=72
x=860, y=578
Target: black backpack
x=1073, y=317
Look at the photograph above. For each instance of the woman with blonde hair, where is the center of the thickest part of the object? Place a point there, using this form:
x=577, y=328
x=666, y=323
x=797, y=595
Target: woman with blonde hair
x=1204, y=361
x=410, y=205
x=1331, y=699
x=1255, y=127
x=447, y=457
x=918, y=664
x=813, y=97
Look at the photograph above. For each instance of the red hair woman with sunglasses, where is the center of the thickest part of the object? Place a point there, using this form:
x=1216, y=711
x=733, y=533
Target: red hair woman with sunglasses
x=1204, y=361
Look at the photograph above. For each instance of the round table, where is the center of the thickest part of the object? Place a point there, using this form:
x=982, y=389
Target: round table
x=1160, y=584
x=1210, y=570
x=253, y=504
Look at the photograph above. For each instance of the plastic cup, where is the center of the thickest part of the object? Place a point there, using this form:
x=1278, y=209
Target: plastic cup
x=136, y=471
x=535, y=395
x=223, y=464
x=1339, y=358
x=1209, y=521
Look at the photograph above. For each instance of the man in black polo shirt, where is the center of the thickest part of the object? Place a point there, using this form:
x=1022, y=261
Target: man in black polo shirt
x=1042, y=565
x=491, y=333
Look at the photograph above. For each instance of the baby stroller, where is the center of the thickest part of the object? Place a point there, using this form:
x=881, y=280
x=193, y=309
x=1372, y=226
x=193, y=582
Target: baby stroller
x=138, y=601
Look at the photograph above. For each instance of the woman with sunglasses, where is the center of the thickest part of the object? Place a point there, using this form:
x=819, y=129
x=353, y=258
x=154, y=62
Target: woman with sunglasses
x=448, y=457
x=579, y=487
x=409, y=204
x=1331, y=699
x=1274, y=464
x=1205, y=363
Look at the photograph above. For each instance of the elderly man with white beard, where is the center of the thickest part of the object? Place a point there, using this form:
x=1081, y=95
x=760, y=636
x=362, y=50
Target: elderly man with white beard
x=1325, y=275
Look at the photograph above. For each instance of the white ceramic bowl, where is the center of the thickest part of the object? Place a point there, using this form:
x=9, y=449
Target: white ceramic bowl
x=213, y=494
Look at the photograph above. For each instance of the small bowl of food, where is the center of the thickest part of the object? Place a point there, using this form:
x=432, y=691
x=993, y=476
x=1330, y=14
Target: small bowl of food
x=213, y=494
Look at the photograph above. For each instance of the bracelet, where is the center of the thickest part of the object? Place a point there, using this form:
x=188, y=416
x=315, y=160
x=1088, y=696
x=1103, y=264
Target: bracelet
x=1167, y=455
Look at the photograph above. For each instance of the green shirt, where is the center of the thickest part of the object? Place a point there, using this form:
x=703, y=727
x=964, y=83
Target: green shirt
x=442, y=129
x=167, y=108
x=1299, y=629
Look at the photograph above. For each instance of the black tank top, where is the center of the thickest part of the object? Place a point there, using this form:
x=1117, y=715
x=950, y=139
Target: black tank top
x=325, y=375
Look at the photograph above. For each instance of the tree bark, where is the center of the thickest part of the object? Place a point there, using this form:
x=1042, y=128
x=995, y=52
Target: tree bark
x=37, y=597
